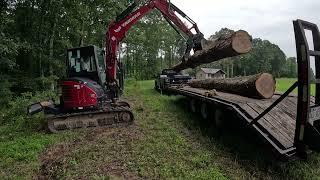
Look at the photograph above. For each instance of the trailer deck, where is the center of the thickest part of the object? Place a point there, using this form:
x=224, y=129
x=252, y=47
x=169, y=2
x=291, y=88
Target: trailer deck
x=278, y=126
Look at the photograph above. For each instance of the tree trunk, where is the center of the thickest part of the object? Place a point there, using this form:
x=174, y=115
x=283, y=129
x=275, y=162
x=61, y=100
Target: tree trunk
x=230, y=45
x=232, y=69
x=51, y=50
x=260, y=86
x=226, y=65
x=41, y=39
x=127, y=62
x=82, y=34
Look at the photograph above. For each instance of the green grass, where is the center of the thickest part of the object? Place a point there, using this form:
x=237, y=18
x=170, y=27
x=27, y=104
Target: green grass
x=19, y=151
x=168, y=149
x=166, y=141
x=285, y=83
x=177, y=146
x=22, y=139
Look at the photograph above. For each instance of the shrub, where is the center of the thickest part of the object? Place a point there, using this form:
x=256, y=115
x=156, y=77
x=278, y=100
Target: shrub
x=16, y=111
x=5, y=93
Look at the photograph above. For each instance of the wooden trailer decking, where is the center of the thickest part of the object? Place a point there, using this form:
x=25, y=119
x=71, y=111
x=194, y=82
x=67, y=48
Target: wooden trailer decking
x=278, y=126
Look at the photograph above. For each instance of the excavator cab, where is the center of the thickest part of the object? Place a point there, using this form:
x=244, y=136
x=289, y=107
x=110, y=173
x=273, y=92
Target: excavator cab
x=86, y=62
x=85, y=85
x=84, y=101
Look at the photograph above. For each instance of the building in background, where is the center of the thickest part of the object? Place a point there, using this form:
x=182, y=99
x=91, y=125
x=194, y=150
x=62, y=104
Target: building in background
x=207, y=73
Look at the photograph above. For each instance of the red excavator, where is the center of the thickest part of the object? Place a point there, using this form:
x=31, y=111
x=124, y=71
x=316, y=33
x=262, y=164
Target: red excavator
x=94, y=83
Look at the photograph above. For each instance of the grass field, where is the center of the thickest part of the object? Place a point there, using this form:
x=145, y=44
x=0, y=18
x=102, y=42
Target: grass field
x=284, y=83
x=166, y=141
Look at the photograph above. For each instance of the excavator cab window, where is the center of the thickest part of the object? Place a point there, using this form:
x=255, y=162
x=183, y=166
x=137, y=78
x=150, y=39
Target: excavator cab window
x=83, y=62
x=101, y=60
x=80, y=61
x=101, y=65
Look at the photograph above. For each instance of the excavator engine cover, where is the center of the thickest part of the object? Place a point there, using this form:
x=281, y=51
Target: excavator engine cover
x=81, y=93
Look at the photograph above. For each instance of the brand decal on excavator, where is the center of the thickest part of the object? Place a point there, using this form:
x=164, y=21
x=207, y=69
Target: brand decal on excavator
x=118, y=29
x=127, y=22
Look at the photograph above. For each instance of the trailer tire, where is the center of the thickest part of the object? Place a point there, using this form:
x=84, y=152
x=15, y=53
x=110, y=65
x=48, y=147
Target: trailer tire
x=218, y=116
x=193, y=105
x=156, y=85
x=204, y=111
x=215, y=121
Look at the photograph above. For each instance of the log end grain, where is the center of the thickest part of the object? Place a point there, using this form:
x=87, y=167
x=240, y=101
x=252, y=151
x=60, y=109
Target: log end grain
x=242, y=42
x=265, y=85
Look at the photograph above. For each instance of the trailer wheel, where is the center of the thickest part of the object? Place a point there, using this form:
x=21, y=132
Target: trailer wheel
x=193, y=105
x=215, y=122
x=204, y=111
x=218, y=118
x=156, y=85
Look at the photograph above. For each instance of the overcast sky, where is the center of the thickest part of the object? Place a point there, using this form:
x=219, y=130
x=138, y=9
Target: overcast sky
x=266, y=19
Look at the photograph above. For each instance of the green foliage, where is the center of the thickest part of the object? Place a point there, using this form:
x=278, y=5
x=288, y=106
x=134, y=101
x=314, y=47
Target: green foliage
x=35, y=34
x=5, y=92
x=16, y=110
x=23, y=138
x=290, y=70
x=151, y=46
x=221, y=32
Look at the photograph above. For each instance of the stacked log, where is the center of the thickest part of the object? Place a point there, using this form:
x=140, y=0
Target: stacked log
x=234, y=44
x=260, y=86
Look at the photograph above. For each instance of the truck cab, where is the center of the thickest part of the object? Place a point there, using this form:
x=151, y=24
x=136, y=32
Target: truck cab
x=170, y=77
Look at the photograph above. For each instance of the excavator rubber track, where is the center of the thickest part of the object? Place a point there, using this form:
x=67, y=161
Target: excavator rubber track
x=104, y=117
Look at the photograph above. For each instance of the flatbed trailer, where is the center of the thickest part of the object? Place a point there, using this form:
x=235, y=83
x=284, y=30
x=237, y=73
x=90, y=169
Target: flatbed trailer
x=289, y=123
x=277, y=127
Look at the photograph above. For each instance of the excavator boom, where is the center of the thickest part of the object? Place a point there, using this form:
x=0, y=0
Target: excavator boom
x=117, y=30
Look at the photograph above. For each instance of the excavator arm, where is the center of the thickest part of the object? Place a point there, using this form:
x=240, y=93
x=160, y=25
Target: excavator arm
x=117, y=31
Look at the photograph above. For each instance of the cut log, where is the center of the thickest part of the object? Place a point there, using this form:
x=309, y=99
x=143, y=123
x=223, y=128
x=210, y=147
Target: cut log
x=229, y=45
x=260, y=86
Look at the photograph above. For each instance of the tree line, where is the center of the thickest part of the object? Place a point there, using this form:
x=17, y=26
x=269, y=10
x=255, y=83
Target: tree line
x=34, y=35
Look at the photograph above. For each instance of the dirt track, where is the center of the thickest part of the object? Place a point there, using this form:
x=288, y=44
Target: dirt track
x=56, y=159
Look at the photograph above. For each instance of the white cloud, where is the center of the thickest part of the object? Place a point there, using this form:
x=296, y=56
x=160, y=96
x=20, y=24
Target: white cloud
x=267, y=19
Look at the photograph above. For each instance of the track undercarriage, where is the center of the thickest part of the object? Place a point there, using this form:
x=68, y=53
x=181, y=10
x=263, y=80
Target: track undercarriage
x=108, y=114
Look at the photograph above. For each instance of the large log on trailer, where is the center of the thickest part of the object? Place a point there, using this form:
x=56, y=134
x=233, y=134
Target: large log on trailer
x=229, y=45
x=260, y=86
